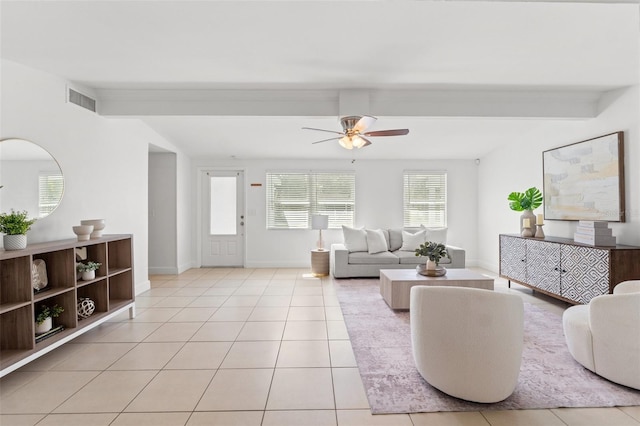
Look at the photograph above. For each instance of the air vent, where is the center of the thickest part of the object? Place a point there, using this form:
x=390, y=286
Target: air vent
x=82, y=100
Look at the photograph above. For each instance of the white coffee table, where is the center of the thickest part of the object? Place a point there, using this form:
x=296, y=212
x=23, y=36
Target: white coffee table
x=395, y=284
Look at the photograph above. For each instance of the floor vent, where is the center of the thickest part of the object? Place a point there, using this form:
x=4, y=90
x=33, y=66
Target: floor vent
x=82, y=100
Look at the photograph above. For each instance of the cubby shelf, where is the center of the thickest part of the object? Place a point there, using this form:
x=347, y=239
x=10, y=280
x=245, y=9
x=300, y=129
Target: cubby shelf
x=112, y=292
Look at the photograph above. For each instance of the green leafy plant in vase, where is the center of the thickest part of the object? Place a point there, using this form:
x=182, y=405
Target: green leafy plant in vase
x=88, y=269
x=526, y=202
x=432, y=251
x=44, y=318
x=15, y=226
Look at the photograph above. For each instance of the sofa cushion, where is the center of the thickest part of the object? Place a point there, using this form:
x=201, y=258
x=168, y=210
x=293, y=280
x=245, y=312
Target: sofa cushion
x=436, y=235
x=363, y=258
x=355, y=239
x=409, y=257
x=395, y=239
x=410, y=242
x=376, y=242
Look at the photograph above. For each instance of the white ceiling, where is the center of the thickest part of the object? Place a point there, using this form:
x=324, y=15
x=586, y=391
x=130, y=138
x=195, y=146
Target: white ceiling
x=178, y=65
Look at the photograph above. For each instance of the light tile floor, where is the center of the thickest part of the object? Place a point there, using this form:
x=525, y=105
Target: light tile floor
x=233, y=347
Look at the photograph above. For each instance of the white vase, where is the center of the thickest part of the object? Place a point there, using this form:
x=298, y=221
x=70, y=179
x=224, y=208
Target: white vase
x=15, y=242
x=45, y=326
x=88, y=275
x=431, y=265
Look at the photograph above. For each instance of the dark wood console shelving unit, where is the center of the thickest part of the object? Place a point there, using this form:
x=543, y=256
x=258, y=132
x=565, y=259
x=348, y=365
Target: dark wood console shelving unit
x=112, y=292
x=564, y=269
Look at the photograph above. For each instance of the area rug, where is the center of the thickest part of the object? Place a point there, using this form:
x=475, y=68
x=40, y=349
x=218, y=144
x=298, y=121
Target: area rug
x=549, y=376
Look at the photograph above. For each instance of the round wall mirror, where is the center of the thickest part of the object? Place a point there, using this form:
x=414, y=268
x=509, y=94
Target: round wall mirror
x=30, y=178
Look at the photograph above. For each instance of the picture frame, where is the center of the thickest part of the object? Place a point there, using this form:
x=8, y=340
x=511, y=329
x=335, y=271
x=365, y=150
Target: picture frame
x=585, y=180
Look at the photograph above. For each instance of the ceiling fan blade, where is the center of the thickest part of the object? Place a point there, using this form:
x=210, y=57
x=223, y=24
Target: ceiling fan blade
x=326, y=140
x=323, y=130
x=395, y=132
x=364, y=123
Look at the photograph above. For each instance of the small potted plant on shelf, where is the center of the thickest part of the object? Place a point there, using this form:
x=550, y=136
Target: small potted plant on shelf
x=44, y=318
x=433, y=251
x=15, y=226
x=88, y=270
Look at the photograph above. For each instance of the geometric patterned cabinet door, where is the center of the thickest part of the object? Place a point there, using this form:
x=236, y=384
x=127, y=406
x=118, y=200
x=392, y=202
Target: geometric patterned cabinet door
x=513, y=258
x=585, y=273
x=544, y=266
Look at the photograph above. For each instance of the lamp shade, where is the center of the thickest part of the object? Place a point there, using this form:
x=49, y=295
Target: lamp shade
x=319, y=221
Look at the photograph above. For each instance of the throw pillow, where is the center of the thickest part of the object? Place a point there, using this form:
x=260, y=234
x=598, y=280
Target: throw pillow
x=410, y=242
x=355, y=239
x=376, y=241
x=437, y=235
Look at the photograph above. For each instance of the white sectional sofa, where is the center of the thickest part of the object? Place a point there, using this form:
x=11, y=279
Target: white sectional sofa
x=353, y=259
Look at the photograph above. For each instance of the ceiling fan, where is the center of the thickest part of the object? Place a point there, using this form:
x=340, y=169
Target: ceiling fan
x=353, y=134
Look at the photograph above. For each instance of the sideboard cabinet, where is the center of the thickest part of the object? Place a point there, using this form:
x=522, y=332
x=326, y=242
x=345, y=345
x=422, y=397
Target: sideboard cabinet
x=562, y=268
x=112, y=292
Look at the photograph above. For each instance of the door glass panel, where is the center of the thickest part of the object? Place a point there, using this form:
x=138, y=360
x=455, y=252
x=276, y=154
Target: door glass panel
x=223, y=205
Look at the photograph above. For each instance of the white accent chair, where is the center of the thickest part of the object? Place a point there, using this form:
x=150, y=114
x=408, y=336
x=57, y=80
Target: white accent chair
x=604, y=336
x=467, y=342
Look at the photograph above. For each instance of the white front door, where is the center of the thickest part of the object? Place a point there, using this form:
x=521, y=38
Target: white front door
x=223, y=218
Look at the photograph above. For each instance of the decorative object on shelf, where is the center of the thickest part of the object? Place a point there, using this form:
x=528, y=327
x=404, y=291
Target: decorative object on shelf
x=98, y=226
x=44, y=318
x=39, y=278
x=88, y=270
x=83, y=232
x=81, y=253
x=47, y=334
x=86, y=307
x=320, y=222
x=15, y=226
x=526, y=228
x=594, y=233
x=526, y=202
x=433, y=251
x=571, y=170
x=539, y=231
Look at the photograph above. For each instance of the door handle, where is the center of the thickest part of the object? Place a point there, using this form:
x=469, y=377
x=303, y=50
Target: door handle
x=241, y=223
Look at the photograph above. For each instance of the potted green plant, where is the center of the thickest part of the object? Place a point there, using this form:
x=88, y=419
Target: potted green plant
x=433, y=251
x=88, y=270
x=526, y=202
x=15, y=226
x=44, y=318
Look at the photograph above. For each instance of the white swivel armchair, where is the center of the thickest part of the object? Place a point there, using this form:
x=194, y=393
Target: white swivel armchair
x=604, y=336
x=467, y=342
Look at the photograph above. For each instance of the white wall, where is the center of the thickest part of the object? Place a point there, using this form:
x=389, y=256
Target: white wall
x=378, y=205
x=519, y=166
x=163, y=234
x=104, y=161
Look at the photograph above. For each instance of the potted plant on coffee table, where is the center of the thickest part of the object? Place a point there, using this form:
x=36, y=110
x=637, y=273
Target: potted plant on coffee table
x=44, y=318
x=88, y=270
x=15, y=226
x=434, y=252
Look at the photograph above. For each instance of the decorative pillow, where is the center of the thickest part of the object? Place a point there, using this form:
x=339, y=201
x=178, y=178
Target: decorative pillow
x=355, y=239
x=437, y=235
x=376, y=241
x=410, y=242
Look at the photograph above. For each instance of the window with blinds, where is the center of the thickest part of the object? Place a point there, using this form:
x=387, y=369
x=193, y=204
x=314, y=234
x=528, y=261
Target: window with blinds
x=293, y=197
x=50, y=187
x=425, y=198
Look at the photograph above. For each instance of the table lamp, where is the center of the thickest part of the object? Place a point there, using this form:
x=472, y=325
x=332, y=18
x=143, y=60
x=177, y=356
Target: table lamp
x=320, y=222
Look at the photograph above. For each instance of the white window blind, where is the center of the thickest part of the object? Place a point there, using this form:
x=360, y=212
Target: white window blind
x=50, y=187
x=293, y=197
x=425, y=198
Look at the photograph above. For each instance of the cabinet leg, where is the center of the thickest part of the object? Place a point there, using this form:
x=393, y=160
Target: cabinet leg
x=509, y=283
x=132, y=312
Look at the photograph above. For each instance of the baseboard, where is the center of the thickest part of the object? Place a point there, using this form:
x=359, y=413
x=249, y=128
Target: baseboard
x=160, y=270
x=488, y=266
x=185, y=267
x=297, y=265
x=143, y=286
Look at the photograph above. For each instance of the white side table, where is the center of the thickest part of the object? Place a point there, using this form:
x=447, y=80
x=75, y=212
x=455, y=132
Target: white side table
x=320, y=262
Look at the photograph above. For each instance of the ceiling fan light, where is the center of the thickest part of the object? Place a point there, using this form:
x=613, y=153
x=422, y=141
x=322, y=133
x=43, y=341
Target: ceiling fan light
x=358, y=142
x=346, y=142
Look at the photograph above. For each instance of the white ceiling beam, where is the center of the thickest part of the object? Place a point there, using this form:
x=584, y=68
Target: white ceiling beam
x=517, y=103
